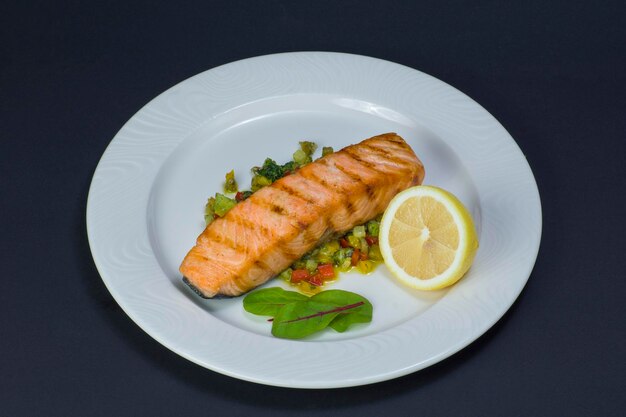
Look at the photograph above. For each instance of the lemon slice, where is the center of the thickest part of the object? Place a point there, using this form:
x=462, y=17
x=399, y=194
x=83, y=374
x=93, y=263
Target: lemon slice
x=427, y=238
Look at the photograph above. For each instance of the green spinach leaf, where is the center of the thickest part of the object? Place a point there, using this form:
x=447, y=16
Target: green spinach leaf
x=268, y=301
x=360, y=314
x=302, y=318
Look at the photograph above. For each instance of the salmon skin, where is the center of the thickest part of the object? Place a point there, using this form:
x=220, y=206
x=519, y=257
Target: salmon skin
x=264, y=234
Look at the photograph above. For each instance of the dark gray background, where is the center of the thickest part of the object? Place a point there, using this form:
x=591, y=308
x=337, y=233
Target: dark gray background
x=72, y=73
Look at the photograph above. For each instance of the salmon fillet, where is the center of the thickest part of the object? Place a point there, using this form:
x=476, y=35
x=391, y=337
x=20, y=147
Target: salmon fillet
x=264, y=234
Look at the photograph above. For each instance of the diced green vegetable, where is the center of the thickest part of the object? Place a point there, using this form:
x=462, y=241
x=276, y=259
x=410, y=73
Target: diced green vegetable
x=223, y=204
x=365, y=267
x=341, y=255
x=304, y=155
x=301, y=158
x=286, y=274
x=354, y=241
x=338, y=257
x=329, y=248
x=230, y=185
x=209, y=212
x=374, y=253
x=327, y=150
x=308, y=148
x=373, y=227
x=324, y=258
x=359, y=231
x=310, y=265
x=259, y=181
x=345, y=266
x=365, y=247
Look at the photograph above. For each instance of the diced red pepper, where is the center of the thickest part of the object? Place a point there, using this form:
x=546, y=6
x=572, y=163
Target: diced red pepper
x=371, y=240
x=298, y=275
x=239, y=196
x=316, y=280
x=363, y=256
x=326, y=271
x=344, y=243
x=356, y=255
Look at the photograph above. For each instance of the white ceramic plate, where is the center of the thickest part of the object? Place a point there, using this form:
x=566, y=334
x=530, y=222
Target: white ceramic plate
x=146, y=201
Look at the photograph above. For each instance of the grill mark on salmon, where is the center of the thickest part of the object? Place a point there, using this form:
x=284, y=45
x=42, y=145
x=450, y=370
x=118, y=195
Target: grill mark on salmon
x=400, y=154
x=310, y=175
x=349, y=174
x=358, y=159
x=226, y=241
x=259, y=263
x=358, y=179
x=379, y=151
x=275, y=207
x=252, y=225
x=286, y=191
x=261, y=236
x=294, y=192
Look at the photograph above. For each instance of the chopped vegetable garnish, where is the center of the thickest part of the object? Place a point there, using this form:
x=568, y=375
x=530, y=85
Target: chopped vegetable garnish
x=345, y=266
x=327, y=150
x=209, y=212
x=323, y=258
x=356, y=255
x=373, y=227
x=288, y=168
x=341, y=255
x=223, y=204
x=326, y=271
x=311, y=265
x=298, y=275
x=354, y=241
x=270, y=170
x=365, y=248
x=375, y=254
x=328, y=248
x=365, y=267
x=359, y=231
x=301, y=158
x=230, y=185
x=309, y=148
x=316, y=280
x=242, y=195
x=259, y=181
x=286, y=274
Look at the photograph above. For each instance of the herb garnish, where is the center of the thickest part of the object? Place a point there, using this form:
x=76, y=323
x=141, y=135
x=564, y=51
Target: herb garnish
x=296, y=316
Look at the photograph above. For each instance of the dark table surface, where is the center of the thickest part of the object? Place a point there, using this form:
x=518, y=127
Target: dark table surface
x=72, y=73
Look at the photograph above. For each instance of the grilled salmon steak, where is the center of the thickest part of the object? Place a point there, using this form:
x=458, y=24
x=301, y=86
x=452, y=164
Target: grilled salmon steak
x=264, y=234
